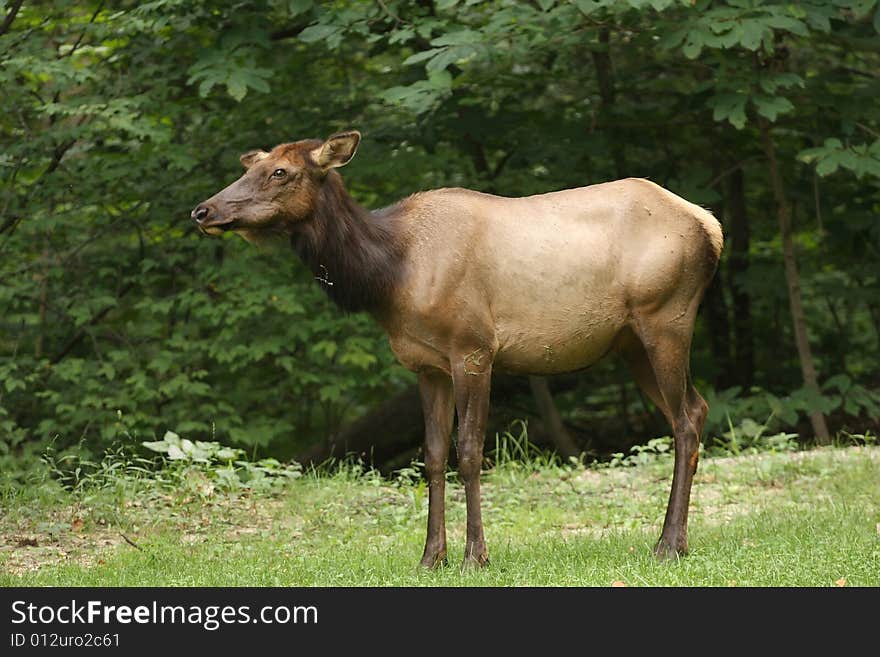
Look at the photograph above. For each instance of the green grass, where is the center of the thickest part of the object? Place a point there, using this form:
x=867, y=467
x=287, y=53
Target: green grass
x=780, y=519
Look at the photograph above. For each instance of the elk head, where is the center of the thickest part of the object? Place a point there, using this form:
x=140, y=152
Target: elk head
x=279, y=188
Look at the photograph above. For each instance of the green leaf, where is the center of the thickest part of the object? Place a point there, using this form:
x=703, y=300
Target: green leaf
x=229, y=453
x=317, y=32
x=422, y=56
x=297, y=7
x=694, y=44
x=326, y=347
x=772, y=106
x=788, y=24
x=842, y=382
x=237, y=87
x=860, y=8
x=454, y=55
x=828, y=165
x=772, y=81
x=673, y=38
x=401, y=35
x=329, y=392
x=171, y=438
x=423, y=95
x=458, y=38
x=587, y=6
x=730, y=107
x=819, y=17
x=752, y=32
x=157, y=446
x=12, y=384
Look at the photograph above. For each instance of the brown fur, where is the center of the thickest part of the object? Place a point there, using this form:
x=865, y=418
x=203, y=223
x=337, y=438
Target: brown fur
x=357, y=256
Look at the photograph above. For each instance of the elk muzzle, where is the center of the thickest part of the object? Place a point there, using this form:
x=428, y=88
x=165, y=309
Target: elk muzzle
x=209, y=220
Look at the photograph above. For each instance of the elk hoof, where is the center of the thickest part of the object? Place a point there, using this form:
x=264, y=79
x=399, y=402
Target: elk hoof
x=434, y=561
x=668, y=550
x=474, y=562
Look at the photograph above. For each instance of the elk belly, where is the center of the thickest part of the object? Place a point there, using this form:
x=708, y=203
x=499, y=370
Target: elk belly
x=557, y=341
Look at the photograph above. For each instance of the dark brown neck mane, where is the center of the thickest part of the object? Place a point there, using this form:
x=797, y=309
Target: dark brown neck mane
x=355, y=255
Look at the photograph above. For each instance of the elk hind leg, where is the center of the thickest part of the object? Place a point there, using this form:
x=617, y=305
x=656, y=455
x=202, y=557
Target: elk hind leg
x=665, y=354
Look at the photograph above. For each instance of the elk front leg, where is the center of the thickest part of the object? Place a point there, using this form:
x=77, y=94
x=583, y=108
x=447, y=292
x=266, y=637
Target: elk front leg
x=438, y=406
x=471, y=377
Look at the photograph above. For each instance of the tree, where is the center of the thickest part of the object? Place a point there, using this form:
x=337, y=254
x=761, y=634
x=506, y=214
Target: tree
x=119, y=322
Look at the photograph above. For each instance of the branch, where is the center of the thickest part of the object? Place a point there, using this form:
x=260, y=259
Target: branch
x=7, y=22
x=499, y=166
x=11, y=185
x=602, y=64
x=287, y=32
x=75, y=340
x=131, y=542
x=57, y=155
x=855, y=71
x=873, y=133
x=85, y=29
x=739, y=165
x=390, y=13
x=10, y=223
x=478, y=154
x=553, y=424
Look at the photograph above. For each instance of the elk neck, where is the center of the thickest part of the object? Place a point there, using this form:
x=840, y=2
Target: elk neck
x=355, y=255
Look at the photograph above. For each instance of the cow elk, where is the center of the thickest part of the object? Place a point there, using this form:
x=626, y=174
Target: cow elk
x=466, y=284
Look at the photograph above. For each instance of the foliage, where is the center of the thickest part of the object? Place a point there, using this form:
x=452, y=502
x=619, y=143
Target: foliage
x=514, y=451
x=749, y=438
x=641, y=454
x=839, y=395
x=185, y=468
x=121, y=323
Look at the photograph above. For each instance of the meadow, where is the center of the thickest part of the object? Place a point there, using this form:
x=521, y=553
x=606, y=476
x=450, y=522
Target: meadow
x=779, y=518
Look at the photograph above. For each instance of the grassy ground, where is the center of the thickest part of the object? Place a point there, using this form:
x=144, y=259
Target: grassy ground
x=799, y=519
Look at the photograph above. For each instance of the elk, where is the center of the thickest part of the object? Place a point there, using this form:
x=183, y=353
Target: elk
x=466, y=283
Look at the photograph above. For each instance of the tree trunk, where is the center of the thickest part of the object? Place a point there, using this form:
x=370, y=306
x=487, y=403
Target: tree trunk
x=605, y=81
x=389, y=429
x=44, y=301
x=715, y=310
x=392, y=433
x=738, y=264
x=10, y=16
x=562, y=440
x=792, y=279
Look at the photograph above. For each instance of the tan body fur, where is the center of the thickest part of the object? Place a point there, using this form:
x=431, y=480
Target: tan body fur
x=546, y=282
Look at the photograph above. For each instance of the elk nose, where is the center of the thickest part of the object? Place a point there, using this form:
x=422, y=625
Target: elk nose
x=201, y=213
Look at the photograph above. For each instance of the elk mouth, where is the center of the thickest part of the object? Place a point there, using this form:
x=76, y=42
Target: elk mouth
x=218, y=228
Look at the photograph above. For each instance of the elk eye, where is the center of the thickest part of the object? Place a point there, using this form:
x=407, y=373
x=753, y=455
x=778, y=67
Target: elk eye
x=279, y=173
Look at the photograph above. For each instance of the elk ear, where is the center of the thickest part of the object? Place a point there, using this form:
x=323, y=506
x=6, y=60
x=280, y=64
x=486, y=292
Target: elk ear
x=250, y=158
x=338, y=150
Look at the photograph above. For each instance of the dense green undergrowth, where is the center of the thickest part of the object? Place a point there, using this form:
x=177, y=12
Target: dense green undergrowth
x=767, y=517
